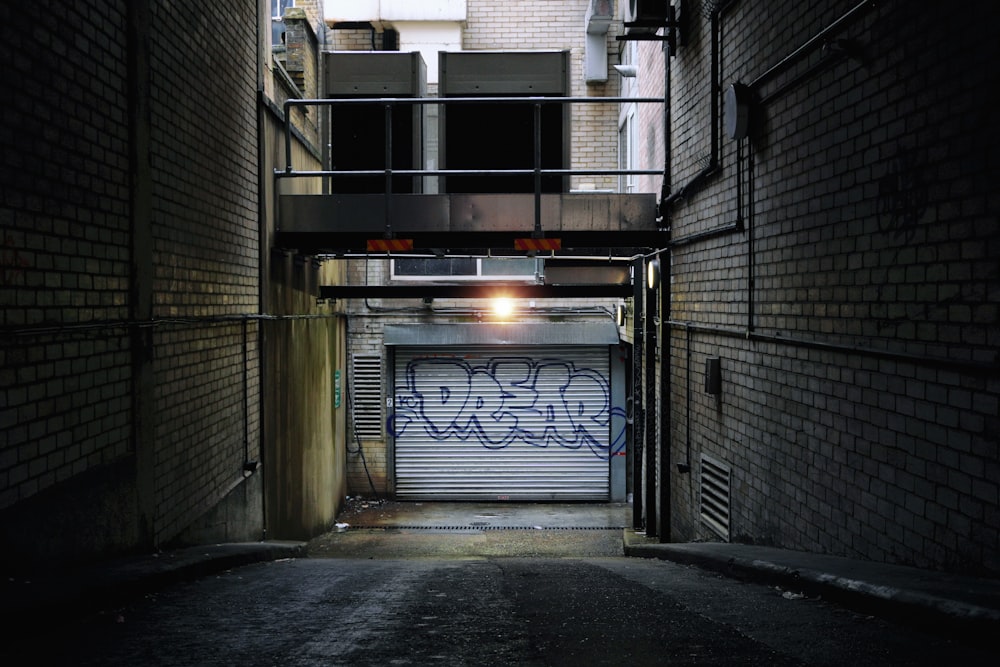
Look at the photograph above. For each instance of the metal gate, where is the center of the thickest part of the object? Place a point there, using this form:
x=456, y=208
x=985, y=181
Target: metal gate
x=501, y=423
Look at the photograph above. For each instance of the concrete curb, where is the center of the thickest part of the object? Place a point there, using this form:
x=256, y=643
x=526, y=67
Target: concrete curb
x=46, y=598
x=901, y=593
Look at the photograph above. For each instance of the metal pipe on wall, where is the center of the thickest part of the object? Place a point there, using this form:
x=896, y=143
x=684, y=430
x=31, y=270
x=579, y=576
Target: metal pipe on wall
x=751, y=253
x=638, y=412
x=979, y=369
x=813, y=41
x=713, y=165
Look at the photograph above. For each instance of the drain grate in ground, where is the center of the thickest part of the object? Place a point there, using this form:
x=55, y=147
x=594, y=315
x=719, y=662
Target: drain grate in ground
x=478, y=526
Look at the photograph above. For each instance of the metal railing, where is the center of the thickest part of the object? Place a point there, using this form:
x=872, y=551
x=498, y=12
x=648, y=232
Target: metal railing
x=389, y=173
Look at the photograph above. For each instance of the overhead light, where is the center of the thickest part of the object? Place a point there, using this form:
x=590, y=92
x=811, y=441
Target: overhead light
x=627, y=71
x=653, y=273
x=503, y=306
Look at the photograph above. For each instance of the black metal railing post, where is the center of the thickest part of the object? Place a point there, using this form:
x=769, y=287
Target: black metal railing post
x=538, y=170
x=387, y=204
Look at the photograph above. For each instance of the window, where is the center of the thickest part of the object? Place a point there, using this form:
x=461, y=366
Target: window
x=278, y=8
x=452, y=269
x=626, y=122
x=626, y=150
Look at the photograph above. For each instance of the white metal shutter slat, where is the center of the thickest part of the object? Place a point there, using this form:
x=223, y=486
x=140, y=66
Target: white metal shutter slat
x=557, y=394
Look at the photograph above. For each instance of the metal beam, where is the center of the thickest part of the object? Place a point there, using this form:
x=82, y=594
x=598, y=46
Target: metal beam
x=473, y=291
x=458, y=213
x=457, y=243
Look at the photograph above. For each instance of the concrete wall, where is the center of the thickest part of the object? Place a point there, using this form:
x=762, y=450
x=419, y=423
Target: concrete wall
x=855, y=311
x=303, y=340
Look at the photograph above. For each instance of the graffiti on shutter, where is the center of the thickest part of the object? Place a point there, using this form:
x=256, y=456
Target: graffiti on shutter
x=503, y=423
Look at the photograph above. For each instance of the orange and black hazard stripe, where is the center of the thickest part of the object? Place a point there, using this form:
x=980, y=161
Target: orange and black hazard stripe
x=537, y=244
x=390, y=245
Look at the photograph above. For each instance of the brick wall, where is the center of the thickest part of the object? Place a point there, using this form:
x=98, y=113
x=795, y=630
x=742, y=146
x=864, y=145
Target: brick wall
x=64, y=247
x=355, y=39
x=556, y=25
x=855, y=313
x=205, y=251
x=368, y=457
x=131, y=254
x=301, y=62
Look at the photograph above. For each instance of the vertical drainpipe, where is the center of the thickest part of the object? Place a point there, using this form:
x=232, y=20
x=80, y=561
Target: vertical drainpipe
x=666, y=441
x=265, y=177
x=751, y=254
x=638, y=493
x=143, y=431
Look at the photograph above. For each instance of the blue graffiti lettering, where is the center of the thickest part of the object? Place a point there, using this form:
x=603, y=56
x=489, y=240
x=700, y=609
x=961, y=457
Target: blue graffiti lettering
x=503, y=400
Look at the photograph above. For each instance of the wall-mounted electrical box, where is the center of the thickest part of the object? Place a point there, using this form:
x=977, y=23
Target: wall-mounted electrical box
x=713, y=376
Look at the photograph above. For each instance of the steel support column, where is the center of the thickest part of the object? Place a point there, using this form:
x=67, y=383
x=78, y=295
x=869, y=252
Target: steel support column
x=649, y=407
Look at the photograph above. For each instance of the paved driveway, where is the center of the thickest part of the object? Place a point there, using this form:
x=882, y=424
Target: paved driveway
x=474, y=530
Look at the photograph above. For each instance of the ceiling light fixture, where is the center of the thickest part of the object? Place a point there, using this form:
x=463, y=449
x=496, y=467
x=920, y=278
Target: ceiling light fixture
x=503, y=306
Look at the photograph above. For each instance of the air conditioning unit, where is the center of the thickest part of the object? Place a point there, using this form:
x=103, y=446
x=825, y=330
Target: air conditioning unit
x=647, y=15
x=644, y=18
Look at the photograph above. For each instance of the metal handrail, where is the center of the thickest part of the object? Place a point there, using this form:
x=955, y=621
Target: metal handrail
x=390, y=102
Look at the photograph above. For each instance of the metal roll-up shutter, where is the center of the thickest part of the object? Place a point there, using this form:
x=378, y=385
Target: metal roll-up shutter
x=501, y=423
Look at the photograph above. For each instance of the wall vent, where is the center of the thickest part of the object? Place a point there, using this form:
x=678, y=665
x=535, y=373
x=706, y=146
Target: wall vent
x=715, y=478
x=366, y=396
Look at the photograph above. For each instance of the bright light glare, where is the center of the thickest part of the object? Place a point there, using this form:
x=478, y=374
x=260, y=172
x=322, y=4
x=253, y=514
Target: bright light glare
x=503, y=306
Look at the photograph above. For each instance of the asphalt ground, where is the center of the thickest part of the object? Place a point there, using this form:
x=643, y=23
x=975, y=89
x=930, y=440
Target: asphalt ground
x=967, y=605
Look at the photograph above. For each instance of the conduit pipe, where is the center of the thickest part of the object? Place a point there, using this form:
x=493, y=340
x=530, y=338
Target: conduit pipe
x=812, y=42
x=984, y=369
x=713, y=164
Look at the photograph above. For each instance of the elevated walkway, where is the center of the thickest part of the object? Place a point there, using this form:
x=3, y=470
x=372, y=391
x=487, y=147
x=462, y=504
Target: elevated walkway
x=504, y=223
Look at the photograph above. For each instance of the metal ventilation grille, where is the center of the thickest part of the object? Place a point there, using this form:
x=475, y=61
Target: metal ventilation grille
x=715, y=477
x=366, y=394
